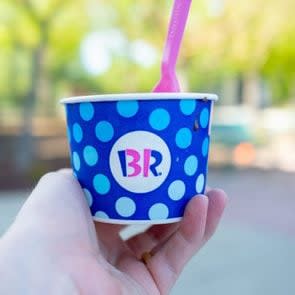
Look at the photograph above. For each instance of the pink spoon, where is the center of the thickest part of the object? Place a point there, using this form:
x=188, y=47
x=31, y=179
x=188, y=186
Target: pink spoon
x=168, y=81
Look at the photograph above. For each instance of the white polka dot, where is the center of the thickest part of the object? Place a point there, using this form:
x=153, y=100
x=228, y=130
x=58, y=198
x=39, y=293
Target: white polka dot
x=205, y=147
x=88, y=197
x=191, y=165
x=187, y=106
x=200, y=183
x=76, y=161
x=183, y=138
x=77, y=132
x=125, y=207
x=90, y=155
x=69, y=134
x=101, y=214
x=176, y=190
x=158, y=211
x=159, y=119
x=101, y=184
x=104, y=131
x=204, y=118
x=127, y=109
x=86, y=111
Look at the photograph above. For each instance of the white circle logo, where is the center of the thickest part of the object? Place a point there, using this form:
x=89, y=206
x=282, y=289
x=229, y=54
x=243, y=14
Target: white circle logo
x=140, y=161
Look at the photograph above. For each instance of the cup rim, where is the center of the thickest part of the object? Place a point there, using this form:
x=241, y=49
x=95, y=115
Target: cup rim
x=139, y=96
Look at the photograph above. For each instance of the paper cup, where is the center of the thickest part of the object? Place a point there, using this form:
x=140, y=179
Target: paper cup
x=140, y=157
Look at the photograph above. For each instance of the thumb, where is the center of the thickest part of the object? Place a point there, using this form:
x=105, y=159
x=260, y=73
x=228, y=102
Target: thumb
x=57, y=200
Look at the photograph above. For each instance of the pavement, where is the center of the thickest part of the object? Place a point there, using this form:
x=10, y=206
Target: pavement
x=253, y=250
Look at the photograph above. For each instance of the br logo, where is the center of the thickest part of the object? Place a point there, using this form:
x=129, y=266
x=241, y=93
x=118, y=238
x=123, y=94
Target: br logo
x=140, y=161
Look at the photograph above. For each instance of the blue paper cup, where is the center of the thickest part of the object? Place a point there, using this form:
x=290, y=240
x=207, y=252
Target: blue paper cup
x=140, y=157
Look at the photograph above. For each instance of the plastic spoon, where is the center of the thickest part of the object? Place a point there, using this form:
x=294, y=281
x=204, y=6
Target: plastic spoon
x=168, y=81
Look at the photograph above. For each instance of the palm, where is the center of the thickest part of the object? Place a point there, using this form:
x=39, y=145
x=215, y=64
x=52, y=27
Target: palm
x=94, y=254
x=126, y=271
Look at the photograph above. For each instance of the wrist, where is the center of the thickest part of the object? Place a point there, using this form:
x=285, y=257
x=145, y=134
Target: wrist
x=11, y=271
x=25, y=264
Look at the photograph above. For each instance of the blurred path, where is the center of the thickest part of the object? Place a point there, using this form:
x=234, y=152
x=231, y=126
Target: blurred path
x=263, y=199
x=253, y=251
x=241, y=261
x=10, y=203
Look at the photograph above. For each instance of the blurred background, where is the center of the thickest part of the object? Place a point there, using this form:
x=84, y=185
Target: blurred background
x=242, y=50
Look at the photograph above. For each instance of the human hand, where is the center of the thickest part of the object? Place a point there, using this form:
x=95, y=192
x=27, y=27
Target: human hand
x=54, y=247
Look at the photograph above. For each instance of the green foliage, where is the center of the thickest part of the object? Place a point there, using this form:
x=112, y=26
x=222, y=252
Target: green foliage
x=239, y=38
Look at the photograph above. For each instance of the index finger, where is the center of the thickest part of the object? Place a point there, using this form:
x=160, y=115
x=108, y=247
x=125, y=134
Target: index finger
x=168, y=261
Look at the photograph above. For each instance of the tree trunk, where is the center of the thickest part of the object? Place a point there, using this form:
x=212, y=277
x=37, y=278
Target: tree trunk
x=251, y=90
x=229, y=91
x=26, y=152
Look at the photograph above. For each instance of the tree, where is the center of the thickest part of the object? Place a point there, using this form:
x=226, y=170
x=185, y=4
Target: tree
x=31, y=25
x=40, y=43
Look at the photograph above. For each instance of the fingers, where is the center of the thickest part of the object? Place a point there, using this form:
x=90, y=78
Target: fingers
x=155, y=236
x=200, y=221
x=208, y=188
x=143, y=242
x=147, y=240
x=166, y=264
x=217, y=202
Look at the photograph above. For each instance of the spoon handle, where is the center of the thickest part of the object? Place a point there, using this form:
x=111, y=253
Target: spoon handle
x=175, y=33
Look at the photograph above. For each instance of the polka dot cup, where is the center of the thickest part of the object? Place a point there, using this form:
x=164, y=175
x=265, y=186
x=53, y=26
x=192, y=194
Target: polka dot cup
x=140, y=157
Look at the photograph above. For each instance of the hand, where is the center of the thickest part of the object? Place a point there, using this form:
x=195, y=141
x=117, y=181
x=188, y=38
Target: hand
x=54, y=247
